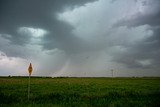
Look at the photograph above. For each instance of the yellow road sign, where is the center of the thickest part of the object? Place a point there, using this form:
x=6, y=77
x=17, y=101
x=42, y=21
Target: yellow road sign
x=30, y=69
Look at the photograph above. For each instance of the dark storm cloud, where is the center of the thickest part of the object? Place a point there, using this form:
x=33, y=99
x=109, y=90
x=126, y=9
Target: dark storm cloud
x=61, y=37
x=38, y=14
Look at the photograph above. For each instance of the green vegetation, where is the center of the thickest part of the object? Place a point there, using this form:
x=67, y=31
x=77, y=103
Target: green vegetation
x=80, y=92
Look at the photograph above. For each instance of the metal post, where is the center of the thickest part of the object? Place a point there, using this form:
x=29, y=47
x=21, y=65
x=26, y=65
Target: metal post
x=29, y=87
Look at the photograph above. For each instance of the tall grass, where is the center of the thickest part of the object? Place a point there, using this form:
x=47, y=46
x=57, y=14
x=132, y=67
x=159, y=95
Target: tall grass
x=81, y=92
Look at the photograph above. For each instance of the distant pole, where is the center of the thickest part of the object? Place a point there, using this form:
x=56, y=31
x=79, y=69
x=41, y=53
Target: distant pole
x=112, y=72
x=30, y=72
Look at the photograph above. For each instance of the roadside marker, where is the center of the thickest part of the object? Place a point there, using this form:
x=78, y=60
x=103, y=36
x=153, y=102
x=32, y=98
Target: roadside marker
x=30, y=72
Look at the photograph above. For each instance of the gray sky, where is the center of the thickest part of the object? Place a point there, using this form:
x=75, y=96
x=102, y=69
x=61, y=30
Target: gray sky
x=80, y=37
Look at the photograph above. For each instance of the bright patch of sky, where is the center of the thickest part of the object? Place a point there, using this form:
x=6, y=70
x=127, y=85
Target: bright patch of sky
x=34, y=32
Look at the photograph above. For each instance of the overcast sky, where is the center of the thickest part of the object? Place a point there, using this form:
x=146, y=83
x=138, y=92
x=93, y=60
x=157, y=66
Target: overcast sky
x=80, y=37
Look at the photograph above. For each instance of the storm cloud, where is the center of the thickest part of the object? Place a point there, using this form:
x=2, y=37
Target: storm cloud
x=80, y=37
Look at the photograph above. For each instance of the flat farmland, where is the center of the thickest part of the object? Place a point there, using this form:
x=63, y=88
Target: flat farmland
x=80, y=92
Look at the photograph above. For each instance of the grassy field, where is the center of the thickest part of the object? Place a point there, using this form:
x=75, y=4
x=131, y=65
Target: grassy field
x=80, y=92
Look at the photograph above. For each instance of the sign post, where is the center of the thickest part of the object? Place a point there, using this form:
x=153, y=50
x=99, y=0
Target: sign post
x=30, y=72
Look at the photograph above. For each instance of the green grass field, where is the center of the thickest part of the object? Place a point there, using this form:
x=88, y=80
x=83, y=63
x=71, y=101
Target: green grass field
x=80, y=92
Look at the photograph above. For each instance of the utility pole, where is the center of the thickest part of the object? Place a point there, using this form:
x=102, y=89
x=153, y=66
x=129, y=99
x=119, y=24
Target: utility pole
x=112, y=72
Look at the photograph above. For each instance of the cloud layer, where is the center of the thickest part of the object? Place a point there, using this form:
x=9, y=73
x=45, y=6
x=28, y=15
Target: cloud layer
x=80, y=38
